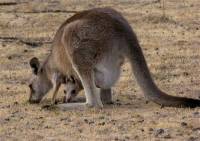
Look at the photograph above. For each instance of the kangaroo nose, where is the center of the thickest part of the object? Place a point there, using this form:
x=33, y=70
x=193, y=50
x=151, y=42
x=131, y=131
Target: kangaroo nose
x=66, y=100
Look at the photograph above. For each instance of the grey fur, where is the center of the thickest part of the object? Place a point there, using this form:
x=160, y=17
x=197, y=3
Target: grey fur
x=91, y=46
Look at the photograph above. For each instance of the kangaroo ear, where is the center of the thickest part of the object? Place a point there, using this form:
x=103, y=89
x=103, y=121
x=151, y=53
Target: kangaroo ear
x=35, y=64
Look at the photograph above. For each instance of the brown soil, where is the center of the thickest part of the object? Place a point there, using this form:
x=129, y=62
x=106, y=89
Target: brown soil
x=169, y=37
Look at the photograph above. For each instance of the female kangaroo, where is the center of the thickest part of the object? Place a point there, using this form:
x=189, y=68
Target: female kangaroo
x=91, y=47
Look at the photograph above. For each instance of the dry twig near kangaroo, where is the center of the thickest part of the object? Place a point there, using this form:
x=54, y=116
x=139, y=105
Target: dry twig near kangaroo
x=91, y=47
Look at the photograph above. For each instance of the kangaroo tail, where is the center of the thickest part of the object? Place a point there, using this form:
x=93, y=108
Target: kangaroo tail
x=144, y=79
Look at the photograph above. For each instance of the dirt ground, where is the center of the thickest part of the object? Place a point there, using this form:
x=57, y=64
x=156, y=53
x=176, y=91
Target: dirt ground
x=169, y=34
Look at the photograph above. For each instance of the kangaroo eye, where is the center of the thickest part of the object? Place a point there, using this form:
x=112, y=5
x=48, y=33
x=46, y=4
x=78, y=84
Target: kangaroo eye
x=65, y=92
x=72, y=79
x=30, y=86
x=73, y=91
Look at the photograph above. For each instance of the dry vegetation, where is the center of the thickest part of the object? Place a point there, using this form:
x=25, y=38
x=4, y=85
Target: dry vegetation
x=169, y=37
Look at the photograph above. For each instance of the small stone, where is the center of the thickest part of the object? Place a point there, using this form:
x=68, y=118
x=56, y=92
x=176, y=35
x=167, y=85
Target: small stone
x=62, y=119
x=140, y=120
x=196, y=129
x=167, y=136
x=16, y=103
x=127, y=103
x=159, y=132
x=181, y=92
x=40, y=117
x=136, y=137
x=13, y=115
x=192, y=139
x=126, y=137
x=185, y=73
x=80, y=130
x=47, y=127
x=7, y=119
x=86, y=120
x=184, y=124
x=3, y=45
x=116, y=138
x=8, y=106
x=101, y=117
x=183, y=117
x=102, y=123
x=150, y=129
x=91, y=122
x=9, y=57
x=113, y=121
x=22, y=82
x=179, y=134
x=15, y=112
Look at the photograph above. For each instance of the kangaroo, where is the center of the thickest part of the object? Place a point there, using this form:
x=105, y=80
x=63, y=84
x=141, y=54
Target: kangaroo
x=74, y=86
x=91, y=45
x=42, y=80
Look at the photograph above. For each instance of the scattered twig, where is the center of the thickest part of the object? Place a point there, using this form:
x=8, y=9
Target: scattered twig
x=8, y=38
x=8, y=3
x=42, y=12
x=163, y=8
x=25, y=41
x=32, y=44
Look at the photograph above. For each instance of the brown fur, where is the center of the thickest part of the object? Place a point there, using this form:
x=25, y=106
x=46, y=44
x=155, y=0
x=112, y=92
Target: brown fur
x=90, y=46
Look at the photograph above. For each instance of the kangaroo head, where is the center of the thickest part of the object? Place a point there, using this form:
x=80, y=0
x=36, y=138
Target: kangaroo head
x=39, y=84
x=72, y=88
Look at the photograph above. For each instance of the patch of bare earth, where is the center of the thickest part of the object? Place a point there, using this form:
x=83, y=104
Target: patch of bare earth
x=169, y=37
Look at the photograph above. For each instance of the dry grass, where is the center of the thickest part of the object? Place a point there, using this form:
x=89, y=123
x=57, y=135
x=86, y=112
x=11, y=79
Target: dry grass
x=170, y=42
